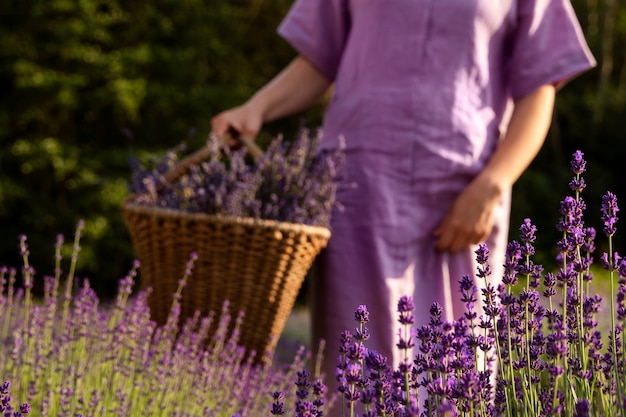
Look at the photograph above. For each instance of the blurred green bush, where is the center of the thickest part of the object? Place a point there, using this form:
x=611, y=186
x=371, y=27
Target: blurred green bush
x=86, y=84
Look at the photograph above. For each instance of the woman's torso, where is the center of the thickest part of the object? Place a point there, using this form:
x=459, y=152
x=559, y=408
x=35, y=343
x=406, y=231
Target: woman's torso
x=425, y=77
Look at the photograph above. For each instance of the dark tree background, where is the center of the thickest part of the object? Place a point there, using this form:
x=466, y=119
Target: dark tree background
x=86, y=85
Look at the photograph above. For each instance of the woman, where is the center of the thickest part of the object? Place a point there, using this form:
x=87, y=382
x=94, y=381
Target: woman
x=443, y=104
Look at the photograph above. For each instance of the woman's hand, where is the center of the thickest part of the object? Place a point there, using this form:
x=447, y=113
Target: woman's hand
x=245, y=121
x=469, y=219
x=294, y=89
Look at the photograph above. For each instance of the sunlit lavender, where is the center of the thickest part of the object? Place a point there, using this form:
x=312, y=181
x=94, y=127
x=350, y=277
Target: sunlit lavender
x=293, y=181
x=67, y=355
x=535, y=349
x=7, y=408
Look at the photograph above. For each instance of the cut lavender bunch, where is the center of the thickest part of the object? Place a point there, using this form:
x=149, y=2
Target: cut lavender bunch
x=293, y=181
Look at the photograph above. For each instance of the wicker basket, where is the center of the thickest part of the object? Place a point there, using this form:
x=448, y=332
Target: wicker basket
x=257, y=265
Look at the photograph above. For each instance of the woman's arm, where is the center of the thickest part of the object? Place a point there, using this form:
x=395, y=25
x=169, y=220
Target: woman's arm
x=470, y=218
x=294, y=89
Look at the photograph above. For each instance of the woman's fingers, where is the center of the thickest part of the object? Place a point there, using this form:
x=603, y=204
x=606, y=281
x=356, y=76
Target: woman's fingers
x=238, y=122
x=468, y=221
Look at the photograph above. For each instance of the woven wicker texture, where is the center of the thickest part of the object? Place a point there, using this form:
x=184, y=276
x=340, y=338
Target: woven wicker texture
x=257, y=265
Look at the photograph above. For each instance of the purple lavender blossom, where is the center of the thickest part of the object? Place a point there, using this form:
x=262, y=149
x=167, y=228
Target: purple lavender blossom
x=303, y=384
x=6, y=406
x=578, y=165
x=278, y=407
x=361, y=334
x=528, y=231
x=609, y=213
x=405, y=310
x=361, y=315
x=482, y=254
x=305, y=409
x=468, y=297
x=319, y=394
x=582, y=408
x=292, y=181
x=116, y=344
x=571, y=211
x=23, y=246
x=553, y=355
x=610, y=263
x=511, y=263
x=621, y=291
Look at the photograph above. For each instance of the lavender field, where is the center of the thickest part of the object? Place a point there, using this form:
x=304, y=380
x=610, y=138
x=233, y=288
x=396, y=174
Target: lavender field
x=547, y=342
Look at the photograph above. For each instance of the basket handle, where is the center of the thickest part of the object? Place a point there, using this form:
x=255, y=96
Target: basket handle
x=203, y=153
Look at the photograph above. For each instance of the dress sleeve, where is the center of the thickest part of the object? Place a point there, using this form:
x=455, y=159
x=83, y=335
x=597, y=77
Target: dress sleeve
x=318, y=30
x=548, y=46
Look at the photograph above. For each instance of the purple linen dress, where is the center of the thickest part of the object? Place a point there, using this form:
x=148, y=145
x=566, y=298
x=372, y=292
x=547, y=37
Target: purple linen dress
x=423, y=94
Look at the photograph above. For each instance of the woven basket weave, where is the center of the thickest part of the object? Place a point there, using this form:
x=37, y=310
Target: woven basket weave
x=257, y=265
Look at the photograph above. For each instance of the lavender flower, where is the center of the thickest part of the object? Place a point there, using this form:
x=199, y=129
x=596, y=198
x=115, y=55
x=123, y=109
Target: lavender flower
x=518, y=356
x=25, y=408
x=405, y=310
x=291, y=182
x=85, y=358
x=578, y=165
x=6, y=406
x=609, y=213
x=361, y=315
x=278, y=407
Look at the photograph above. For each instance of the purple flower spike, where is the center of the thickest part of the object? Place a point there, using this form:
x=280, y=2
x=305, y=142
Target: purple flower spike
x=549, y=282
x=610, y=264
x=406, y=343
x=306, y=409
x=319, y=392
x=511, y=263
x=361, y=335
x=303, y=384
x=361, y=315
x=582, y=408
x=527, y=231
x=59, y=241
x=25, y=408
x=435, y=314
x=578, y=163
x=577, y=184
x=578, y=167
x=482, y=254
x=609, y=213
x=319, y=388
x=405, y=309
x=405, y=304
x=23, y=245
x=278, y=407
x=571, y=211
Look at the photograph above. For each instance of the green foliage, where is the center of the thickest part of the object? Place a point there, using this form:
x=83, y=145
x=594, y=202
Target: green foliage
x=589, y=113
x=86, y=84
